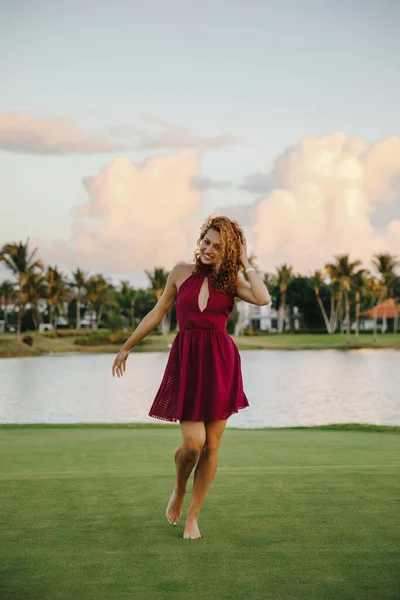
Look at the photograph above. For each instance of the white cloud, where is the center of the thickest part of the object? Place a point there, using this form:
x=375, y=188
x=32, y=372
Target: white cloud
x=327, y=189
x=136, y=217
x=28, y=134
x=162, y=135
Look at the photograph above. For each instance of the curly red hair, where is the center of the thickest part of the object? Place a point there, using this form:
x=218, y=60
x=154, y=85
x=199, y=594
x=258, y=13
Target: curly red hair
x=224, y=273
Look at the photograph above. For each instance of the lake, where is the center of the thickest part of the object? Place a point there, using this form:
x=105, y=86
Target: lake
x=284, y=388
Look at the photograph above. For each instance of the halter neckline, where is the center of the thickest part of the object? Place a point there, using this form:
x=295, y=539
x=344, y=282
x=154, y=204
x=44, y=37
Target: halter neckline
x=205, y=269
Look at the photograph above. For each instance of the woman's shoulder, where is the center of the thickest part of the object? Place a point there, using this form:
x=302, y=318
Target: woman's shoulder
x=183, y=267
x=180, y=272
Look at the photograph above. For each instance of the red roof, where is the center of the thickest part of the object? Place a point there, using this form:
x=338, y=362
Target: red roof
x=388, y=305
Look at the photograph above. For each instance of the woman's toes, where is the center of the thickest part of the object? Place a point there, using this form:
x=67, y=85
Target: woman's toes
x=192, y=531
x=174, y=508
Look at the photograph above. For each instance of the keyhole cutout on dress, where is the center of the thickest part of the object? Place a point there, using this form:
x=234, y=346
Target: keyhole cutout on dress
x=204, y=295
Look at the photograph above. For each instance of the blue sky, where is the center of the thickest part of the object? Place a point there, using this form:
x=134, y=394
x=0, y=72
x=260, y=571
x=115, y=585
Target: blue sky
x=268, y=73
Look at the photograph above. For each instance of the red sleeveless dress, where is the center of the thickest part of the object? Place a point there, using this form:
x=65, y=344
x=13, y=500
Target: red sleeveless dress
x=203, y=378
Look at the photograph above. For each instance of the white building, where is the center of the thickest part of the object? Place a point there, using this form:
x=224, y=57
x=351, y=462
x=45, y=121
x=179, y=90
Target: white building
x=261, y=318
x=257, y=318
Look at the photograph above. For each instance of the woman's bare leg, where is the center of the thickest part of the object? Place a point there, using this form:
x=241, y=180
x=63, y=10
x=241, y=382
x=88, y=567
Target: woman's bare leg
x=186, y=457
x=203, y=476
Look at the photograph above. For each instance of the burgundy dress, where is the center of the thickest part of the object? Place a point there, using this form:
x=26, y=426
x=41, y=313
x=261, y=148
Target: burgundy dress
x=202, y=379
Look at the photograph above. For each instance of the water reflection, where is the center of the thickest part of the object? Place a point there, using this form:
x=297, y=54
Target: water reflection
x=285, y=388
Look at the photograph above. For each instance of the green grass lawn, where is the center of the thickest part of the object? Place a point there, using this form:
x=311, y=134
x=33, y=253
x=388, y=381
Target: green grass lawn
x=292, y=514
x=156, y=343
x=305, y=341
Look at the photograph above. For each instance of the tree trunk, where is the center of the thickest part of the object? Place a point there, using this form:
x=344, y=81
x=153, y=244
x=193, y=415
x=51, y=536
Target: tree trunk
x=381, y=297
x=384, y=319
x=39, y=316
x=54, y=320
x=289, y=319
x=19, y=306
x=34, y=319
x=19, y=317
x=325, y=316
x=336, y=312
x=99, y=316
x=78, y=311
x=375, y=321
x=332, y=314
x=396, y=316
x=347, y=304
x=281, y=312
x=339, y=315
x=357, y=314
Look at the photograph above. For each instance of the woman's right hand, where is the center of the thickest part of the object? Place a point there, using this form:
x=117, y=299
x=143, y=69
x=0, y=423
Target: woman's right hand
x=119, y=364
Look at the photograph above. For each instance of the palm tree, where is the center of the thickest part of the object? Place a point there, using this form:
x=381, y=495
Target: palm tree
x=318, y=283
x=345, y=271
x=34, y=291
x=100, y=295
x=79, y=280
x=158, y=281
x=373, y=290
x=395, y=287
x=6, y=294
x=21, y=262
x=284, y=278
x=359, y=286
x=385, y=265
x=126, y=297
x=336, y=295
x=58, y=293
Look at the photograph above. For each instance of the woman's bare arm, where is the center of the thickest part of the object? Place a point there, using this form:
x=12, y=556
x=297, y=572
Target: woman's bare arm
x=148, y=323
x=156, y=315
x=253, y=291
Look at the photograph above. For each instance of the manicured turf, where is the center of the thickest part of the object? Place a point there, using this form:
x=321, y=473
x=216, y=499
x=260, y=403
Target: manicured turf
x=292, y=514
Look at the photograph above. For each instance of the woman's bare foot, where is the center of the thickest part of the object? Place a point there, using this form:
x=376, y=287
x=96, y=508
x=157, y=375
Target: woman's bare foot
x=174, y=507
x=192, y=531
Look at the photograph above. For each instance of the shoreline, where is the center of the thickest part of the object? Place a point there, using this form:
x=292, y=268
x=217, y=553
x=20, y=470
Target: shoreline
x=44, y=345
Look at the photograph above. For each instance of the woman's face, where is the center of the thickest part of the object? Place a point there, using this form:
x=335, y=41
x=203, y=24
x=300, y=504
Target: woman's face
x=210, y=247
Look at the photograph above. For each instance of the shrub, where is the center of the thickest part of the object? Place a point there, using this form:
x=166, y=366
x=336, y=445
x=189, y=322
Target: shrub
x=28, y=340
x=119, y=337
x=115, y=321
x=93, y=338
x=50, y=334
x=75, y=333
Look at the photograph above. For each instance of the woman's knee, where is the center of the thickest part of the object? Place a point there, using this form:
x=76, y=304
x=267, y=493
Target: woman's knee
x=194, y=437
x=211, y=446
x=193, y=446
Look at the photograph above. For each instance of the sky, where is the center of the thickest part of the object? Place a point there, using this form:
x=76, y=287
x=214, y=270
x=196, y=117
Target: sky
x=124, y=124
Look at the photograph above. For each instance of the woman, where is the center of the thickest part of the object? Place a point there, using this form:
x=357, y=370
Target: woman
x=202, y=384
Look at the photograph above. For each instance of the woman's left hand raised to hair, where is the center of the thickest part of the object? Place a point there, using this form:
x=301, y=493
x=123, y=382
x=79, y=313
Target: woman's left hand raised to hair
x=244, y=258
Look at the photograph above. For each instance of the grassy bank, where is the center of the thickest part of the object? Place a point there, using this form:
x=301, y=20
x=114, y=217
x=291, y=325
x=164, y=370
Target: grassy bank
x=43, y=344
x=296, y=514
x=364, y=427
